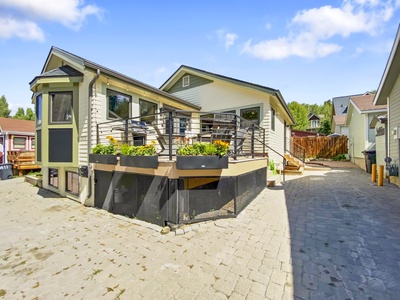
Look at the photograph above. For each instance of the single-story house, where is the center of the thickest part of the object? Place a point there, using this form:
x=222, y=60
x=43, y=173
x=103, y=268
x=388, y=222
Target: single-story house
x=262, y=105
x=16, y=135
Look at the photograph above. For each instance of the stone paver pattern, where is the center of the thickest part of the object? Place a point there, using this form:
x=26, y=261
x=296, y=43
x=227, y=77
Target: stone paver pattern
x=323, y=235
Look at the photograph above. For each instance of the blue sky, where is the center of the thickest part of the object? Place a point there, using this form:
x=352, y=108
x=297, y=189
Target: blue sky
x=311, y=51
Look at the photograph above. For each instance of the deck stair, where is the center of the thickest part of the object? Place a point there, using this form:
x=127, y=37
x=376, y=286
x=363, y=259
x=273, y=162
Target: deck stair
x=293, y=166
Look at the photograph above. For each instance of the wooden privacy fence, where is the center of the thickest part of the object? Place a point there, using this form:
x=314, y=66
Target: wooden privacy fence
x=322, y=146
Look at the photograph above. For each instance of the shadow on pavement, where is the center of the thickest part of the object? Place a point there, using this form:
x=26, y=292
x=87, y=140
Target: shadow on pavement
x=344, y=236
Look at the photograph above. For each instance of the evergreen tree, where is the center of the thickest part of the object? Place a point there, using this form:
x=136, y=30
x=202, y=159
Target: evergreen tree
x=4, y=111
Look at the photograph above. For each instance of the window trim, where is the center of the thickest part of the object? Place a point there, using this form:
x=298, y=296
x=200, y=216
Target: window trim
x=66, y=183
x=51, y=107
x=19, y=137
x=258, y=108
x=185, y=81
x=108, y=104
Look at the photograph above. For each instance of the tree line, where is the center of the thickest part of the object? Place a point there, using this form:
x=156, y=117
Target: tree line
x=302, y=111
x=20, y=114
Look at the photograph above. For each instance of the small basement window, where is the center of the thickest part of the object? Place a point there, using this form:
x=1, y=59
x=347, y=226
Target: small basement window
x=185, y=81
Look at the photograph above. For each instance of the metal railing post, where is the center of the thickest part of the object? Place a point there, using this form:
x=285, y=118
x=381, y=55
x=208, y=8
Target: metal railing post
x=235, y=145
x=171, y=128
x=252, y=140
x=263, y=142
x=126, y=131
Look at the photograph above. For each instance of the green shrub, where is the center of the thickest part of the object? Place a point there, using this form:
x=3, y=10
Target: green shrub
x=340, y=157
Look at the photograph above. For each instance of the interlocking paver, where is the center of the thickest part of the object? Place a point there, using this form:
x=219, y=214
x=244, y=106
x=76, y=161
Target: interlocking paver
x=323, y=235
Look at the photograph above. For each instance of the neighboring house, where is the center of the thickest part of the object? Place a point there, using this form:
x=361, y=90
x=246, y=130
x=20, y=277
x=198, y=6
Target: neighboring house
x=339, y=113
x=360, y=115
x=16, y=135
x=389, y=94
x=302, y=133
x=217, y=93
x=314, y=122
x=72, y=95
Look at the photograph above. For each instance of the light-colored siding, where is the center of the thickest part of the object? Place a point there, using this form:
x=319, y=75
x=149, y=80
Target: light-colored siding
x=394, y=120
x=220, y=96
x=380, y=148
x=357, y=135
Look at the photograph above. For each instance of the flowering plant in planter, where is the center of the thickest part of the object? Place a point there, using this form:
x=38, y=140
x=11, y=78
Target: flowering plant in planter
x=218, y=148
x=105, y=154
x=202, y=155
x=111, y=148
x=146, y=150
x=139, y=156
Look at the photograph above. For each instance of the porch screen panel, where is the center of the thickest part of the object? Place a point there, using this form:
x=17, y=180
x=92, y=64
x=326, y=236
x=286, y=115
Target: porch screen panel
x=60, y=145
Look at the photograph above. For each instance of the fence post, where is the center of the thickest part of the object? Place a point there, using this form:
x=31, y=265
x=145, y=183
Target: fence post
x=171, y=128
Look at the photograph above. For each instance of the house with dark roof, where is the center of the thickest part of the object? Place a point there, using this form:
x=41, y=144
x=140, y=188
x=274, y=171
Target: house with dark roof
x=314, y=122
x=262, y=105
x=388, y=93
x=16, y=135
x=339, y=112
x=360, y=116
x=81, y=106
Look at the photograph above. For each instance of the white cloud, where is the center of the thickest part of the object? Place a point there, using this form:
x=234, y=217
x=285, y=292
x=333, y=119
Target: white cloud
x=25, y=30
x=227, y=38
x=311, y=29
x=27, y=14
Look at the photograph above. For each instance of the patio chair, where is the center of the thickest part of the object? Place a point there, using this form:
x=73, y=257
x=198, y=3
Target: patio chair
x=163, y=139
x=222, y=127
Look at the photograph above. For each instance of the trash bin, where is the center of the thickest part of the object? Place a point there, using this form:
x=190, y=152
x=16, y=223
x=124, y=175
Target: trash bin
x=370, y=159
x=6, y=171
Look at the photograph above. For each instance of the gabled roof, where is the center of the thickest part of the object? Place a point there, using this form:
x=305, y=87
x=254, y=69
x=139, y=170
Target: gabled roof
x=14, y=126
x=186, y=69
x=340, y=104
x=107, y=72
x=63, y=71
x=365, y=103
x=392, y=71
x=340, y=120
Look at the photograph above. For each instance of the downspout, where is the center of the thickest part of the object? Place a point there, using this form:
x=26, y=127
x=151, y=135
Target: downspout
x=89, y=131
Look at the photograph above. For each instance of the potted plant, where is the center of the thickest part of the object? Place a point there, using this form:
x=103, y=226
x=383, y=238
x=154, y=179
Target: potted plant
x=105, y=154
x=139, y=156
x=202, y=155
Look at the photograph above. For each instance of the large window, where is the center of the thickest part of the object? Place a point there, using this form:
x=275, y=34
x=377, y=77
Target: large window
x=38, y=110
x=118, y=104
x=147, y=111
x=72, y=185
x=19, y=143
x=53, y=177
x=61, y=107
x=251, y=114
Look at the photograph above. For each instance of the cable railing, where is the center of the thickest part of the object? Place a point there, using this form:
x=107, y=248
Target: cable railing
x=169, y=129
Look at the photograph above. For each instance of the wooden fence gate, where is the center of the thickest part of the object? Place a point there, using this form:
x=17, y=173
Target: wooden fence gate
x=323, y=146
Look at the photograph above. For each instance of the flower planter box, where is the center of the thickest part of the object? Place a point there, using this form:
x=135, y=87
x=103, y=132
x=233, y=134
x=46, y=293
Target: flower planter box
x=201, y=162
x=108, y=159
x=150, y=162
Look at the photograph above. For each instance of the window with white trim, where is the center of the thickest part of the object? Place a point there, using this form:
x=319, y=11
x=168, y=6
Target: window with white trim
x=185, y=81
x=19, y=142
